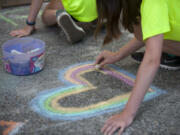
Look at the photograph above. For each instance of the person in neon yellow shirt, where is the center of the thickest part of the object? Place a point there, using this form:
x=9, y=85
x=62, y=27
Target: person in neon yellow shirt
x=65, y=13
x=157, y=19
x=166, y=19
x=156, y=25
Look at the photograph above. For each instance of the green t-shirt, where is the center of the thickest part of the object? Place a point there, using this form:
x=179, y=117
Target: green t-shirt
x=81, y=10
x=161, y=17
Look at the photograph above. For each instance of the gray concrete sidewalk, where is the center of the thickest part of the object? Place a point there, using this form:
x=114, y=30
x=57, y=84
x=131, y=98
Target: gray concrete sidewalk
x=158, y=116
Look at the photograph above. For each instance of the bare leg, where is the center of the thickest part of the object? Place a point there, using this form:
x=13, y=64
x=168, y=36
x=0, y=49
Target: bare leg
x=49, y=14
x=172, y=47
x=169, y=46
x=73, y=32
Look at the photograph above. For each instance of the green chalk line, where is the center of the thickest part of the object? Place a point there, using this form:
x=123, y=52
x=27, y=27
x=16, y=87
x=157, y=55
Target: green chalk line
x=8, y=20
x=13, y=10
x=21, y=17
x=40, y=12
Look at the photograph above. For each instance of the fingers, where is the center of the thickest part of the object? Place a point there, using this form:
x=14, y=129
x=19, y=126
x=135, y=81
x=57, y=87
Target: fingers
x=102, y=59
x=105, y=127
x=121, y=130
x=101, y=65
x=13, y=33
x=19, y=33
x=99, y=59
x=113, y=125
x=110, y=128
x=113, y=130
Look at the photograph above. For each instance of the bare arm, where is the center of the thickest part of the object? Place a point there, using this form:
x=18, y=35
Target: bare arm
x=132, y=46
x=34, y=9
x=27, y=30
x=145, y=76
x=146, y=73
x=108, y=57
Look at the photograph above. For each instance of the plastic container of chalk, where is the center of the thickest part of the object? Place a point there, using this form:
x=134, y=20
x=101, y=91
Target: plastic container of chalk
x=23, y=56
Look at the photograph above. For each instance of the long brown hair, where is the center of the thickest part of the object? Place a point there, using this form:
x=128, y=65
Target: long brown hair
x=115, y=12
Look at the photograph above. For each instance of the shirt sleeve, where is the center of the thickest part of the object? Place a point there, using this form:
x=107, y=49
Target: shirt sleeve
x=154, y=18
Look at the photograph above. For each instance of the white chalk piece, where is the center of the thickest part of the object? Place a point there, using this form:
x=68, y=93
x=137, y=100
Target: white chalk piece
x=37, y=49
x=16, y=52
x=97, y=66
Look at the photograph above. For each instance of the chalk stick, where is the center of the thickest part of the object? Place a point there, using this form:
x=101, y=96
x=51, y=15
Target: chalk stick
x=37, y=49
x=16, y=52
x=97, y=66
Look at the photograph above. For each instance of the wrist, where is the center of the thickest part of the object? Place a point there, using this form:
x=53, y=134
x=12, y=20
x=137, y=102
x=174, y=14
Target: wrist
x=29, y=28
x=30, y=23
x=131, y=113
x=117, y=55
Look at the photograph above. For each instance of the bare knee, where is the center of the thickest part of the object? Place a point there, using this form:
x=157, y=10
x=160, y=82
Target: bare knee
x=172, y=47
x=49, y=17
x=49, y=13
x=44, y=18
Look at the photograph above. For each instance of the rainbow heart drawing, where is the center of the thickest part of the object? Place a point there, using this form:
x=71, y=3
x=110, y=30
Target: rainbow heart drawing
x=46, y=103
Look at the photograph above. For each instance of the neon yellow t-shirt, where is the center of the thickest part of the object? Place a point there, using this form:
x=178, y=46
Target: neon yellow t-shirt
x=81, y=10
x=161, y=17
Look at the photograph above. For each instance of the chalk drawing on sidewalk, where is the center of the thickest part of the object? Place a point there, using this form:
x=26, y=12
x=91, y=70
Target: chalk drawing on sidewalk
x=10, y=19
x=10, y=127
x=46, y=103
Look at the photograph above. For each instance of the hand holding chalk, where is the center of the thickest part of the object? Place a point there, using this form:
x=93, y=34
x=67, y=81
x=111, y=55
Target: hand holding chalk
x=106, y=57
